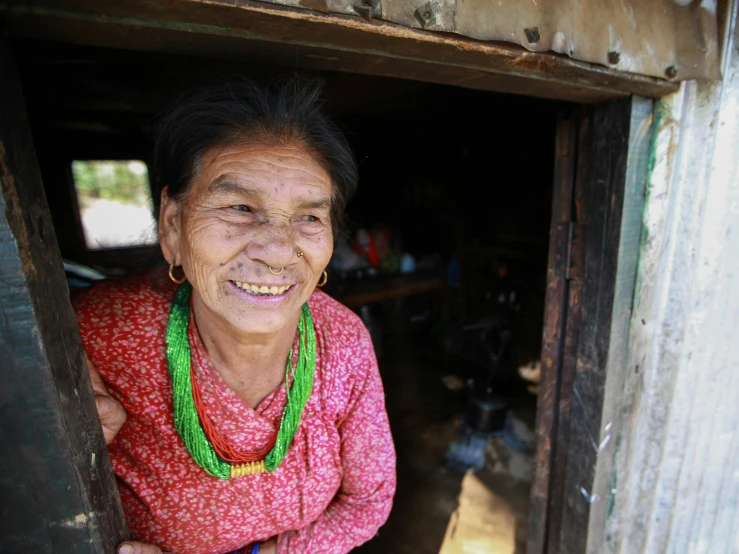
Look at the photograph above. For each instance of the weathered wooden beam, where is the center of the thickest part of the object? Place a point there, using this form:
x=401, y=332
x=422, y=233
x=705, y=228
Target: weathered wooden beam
x=315, y=40
x=553, y=337
x=616, y=367
x=612, y=185
x=57, y=487
x=574, y=272
x=598, y=194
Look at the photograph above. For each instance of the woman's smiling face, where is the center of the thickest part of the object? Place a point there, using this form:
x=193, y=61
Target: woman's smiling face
x=252, y=207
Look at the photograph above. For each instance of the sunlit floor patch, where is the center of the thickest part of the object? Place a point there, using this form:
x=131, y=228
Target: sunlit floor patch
x=483, y=523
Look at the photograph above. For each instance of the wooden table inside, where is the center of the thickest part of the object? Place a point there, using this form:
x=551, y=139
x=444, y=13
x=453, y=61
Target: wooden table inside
x=386, y=288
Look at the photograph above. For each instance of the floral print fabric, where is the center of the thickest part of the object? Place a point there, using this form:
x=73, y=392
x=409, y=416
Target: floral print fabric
x=333, y=490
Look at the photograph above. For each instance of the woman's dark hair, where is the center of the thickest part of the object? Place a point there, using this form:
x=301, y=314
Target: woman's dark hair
x=240, y=110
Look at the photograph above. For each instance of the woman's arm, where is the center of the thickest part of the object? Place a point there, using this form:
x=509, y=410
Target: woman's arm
x=364, y=500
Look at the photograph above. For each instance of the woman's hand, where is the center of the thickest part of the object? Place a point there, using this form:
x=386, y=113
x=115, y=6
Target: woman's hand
x=130, y=547
x=111, y=413
x=112, y=417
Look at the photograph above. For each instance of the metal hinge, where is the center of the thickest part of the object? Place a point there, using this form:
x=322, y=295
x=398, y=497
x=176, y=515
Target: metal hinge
x=568, y=264
x=576, y=233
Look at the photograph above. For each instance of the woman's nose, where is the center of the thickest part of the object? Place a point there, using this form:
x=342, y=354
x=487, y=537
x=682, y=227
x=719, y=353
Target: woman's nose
x=274, y=246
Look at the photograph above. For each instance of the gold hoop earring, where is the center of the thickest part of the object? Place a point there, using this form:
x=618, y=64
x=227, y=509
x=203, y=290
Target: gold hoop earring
x=171, y=276
x=323, y=280
x=273, y=272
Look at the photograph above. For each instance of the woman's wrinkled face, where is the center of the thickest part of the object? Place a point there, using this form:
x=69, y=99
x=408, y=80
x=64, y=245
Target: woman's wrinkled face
x=252, y=207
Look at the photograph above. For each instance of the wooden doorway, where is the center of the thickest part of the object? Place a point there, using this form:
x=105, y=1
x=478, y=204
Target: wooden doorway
x=590, y=253
x=600, y=176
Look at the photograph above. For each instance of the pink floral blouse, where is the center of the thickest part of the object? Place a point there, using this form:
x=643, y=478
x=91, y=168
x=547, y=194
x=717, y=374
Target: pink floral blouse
x=333, y=490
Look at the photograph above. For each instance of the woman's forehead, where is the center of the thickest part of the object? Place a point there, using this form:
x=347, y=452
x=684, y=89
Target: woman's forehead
x=260, y=166
x=299, y=193
x=279, y=158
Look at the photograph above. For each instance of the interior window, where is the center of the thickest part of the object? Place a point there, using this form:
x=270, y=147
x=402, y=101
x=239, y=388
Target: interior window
x=114, y=199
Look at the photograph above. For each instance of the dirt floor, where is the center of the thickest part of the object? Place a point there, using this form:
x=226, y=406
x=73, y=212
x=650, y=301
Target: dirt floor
x=438, y=510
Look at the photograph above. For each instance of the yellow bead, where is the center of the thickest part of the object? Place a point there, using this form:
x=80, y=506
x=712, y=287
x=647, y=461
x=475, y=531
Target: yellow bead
x=248, y=468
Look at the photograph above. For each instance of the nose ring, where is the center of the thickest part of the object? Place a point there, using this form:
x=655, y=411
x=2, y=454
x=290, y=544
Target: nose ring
x=300, y=254
x=273, y=271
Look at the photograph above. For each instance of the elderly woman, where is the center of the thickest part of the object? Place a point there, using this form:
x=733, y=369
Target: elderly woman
x=255, y=411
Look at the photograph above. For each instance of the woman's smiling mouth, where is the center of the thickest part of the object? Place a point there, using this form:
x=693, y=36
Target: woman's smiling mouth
x=262, y=290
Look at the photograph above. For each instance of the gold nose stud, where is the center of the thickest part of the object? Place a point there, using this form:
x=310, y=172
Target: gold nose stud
x=300, y=254
x=273, y=271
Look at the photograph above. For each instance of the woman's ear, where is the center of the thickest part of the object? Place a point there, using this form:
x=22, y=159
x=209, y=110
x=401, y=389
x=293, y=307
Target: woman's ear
x=169, y=228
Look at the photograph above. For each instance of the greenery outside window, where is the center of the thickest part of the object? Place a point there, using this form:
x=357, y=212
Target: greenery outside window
x=115, y=203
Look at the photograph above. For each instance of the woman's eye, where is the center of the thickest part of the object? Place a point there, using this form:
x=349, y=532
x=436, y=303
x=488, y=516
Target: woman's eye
x=310, y=218
x=242, y=208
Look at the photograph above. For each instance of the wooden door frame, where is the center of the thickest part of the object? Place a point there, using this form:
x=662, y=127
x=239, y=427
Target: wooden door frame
x=600, y=180
x=599, y=186
x=58, y=489
x=311, y=39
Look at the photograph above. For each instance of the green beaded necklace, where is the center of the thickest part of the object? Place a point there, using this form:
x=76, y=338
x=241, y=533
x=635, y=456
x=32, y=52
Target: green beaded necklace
x=186, y=419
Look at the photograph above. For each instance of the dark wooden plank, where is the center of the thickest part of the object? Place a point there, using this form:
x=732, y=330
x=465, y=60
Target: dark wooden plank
x=594, y=294
x=323, y=41
x=618, y=369
x=575, y=269
x=555, y=316
x=57, y=488
x=602, y=183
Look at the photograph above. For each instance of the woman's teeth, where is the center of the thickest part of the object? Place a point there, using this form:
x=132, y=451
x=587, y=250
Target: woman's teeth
x=261, y=290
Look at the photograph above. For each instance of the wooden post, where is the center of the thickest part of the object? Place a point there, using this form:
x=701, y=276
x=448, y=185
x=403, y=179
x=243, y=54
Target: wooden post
x=613, y=186
x=555, y=319
x=592, y=272
x=57, y=487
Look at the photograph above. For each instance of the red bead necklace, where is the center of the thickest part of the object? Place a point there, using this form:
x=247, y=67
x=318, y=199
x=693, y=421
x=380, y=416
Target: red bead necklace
x=220, y=444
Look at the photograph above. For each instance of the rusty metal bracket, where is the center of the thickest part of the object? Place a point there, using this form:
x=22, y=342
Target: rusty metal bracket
x=532, y=34
x=426, y=15
x=367, y=8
